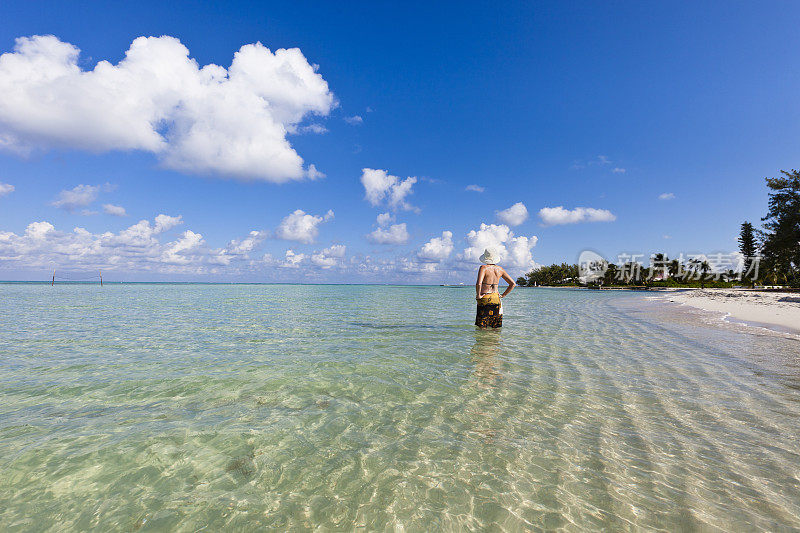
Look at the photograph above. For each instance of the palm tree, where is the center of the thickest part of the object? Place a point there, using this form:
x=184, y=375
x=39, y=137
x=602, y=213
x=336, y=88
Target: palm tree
x=705, y=268
x=673, y=268
x=658, y=264
x=692, y=264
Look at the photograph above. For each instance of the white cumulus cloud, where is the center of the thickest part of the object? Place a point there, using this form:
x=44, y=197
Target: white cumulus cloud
x=515, y=253
x=384, y=219
x=244, y=246
x=335, y=250
x=182, y=251
x=394, y=234
x=136, y=248
x=166, y=223
x=354, y=120
x=514, y=215
x=6, y=188
x=293, y=259
x=232, y=122
x=552, y=216
x=301, y=227
x=116, y=210
x=38, y=230
x=437, y=249
x=380, y=186
x=328, y=257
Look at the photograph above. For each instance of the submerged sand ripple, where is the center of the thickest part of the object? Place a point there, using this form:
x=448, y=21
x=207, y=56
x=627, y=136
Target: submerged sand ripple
x=251, y=407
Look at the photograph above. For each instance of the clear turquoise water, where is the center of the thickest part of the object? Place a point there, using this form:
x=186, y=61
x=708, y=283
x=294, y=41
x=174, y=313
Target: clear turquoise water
x=245, y=407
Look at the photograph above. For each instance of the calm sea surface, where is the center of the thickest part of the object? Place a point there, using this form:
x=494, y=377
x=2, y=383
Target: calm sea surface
x=244, y=407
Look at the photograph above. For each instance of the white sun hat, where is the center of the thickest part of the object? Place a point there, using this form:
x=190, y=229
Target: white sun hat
x=489, y=257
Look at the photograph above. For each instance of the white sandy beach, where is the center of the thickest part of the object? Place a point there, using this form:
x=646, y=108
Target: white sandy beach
x=754, y=307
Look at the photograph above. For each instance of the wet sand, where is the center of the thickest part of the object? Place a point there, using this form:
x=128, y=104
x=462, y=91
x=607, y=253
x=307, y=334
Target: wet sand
x=778, y=310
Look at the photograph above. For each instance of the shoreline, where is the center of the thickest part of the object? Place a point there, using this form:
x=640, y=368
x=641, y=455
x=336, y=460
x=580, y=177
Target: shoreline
x=776, y=311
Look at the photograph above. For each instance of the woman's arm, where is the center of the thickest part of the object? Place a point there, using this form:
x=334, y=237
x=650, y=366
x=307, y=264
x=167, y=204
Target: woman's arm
x=511, y=284
x=481, y=274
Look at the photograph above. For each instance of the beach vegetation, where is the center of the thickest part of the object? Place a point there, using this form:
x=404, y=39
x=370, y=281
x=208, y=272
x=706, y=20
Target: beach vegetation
x=748, y=246
x=770, y=256
x=553, y=275
x=780, y=237
x=661, y=272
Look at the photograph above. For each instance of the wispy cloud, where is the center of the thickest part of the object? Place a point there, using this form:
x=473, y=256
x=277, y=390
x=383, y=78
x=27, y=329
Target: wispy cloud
x=313, y=128
x=385, y=219
x=116, y=210
x=355, y=120
x=6, y=188
x=313, y=173
x=666, y=196
x=474, y=188
x=79, y=196
x=554, y=216
x=599, y=161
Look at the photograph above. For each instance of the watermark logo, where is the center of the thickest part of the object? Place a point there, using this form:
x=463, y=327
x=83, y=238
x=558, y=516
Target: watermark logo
x=592, y=266
x=630, y=268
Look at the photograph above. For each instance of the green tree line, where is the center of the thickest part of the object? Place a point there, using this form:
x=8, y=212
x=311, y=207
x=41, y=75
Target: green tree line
x=662, y=272
x=563, y=274
x=771, y=254
x=779, y=241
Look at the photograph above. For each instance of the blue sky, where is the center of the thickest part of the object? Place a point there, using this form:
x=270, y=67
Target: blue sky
x=601, y=106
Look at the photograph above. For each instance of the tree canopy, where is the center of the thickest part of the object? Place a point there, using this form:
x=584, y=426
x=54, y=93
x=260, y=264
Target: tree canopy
x=781, y=234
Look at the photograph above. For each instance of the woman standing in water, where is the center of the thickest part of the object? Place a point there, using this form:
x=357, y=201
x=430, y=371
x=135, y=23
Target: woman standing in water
x=490, y=309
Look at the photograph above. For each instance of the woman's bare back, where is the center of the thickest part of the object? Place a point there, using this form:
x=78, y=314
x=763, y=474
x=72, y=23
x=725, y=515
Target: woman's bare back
x=491, y=277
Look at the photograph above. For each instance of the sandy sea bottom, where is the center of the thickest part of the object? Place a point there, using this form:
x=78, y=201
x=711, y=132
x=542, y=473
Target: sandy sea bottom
x=244, y=407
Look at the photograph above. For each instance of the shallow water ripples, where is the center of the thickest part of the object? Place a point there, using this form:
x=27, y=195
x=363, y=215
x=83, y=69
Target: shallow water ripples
x=156, y=407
